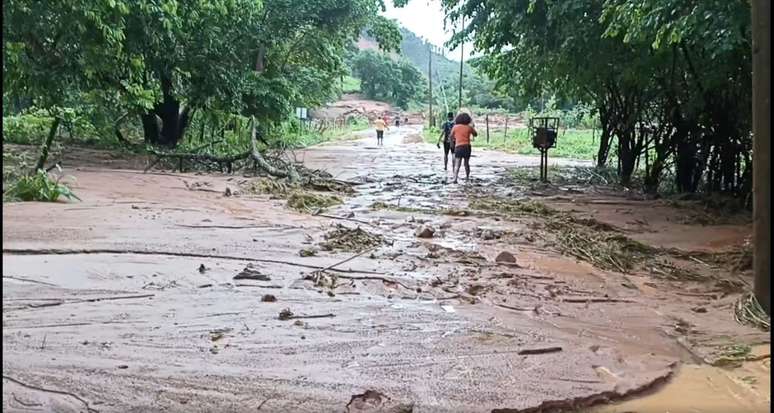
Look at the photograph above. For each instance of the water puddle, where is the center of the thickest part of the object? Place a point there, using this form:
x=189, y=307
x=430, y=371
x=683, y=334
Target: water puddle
x=708, y=389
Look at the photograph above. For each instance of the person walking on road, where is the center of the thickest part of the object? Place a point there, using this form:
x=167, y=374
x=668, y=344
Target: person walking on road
x=448, y=145
x=380, y=125
x=462, y=134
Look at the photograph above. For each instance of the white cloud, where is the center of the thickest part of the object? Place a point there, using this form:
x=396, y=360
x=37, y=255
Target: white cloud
x=426, y=19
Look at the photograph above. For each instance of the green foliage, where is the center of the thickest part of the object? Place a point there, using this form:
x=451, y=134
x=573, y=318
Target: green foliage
x=386, y=33
x=41, y=186
x=169, y=60
x=382, y=78
x=572, y=143
x=667, y=76
x=26, y=128
x=350, y=85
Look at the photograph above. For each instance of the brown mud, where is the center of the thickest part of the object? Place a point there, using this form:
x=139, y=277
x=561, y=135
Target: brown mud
x=152, y=295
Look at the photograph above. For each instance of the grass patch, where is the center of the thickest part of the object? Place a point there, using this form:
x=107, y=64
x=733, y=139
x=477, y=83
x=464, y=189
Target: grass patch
x=571, y=143
x=278, y=188
x=512, y=207
x=732, y=355
x=310, y=202
x=598, y=243
x=303, y=136
x=350, y=239
x=748, y=311
x=41, y=186
x=604, y=249
x=568, y=175
x=298, y=196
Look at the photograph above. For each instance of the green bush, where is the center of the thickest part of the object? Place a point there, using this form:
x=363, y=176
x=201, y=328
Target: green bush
x=42, y=186
x=571, y=143
x=32, y=126
x=26, y=129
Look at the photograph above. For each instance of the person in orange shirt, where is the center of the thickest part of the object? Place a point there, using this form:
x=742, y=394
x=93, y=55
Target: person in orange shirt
x=380, y=124
x=462, y=134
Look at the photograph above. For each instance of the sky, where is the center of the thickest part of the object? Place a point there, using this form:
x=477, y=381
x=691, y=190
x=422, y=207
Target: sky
x=425, y=18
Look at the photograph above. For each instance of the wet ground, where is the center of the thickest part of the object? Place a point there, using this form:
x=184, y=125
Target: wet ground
x=158, y=292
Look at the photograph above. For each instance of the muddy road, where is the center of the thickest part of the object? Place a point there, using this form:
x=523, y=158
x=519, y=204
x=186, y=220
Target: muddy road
x=187, y=292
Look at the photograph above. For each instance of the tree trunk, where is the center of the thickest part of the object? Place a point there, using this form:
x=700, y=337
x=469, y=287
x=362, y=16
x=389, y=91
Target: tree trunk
x=685, y=164
x=761, y=27
x=260, y=161
x=150, y=127
x=627, y=155
x=47, y=145
x=174, y=119
x=604, y=147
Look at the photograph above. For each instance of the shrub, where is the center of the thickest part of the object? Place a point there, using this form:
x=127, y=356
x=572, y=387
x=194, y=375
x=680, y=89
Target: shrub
x=41, y=186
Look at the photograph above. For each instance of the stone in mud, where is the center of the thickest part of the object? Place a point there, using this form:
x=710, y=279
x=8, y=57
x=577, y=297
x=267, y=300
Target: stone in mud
x=425, y=232
x=505, y=257
x=307, y=252
x=373, y=401
x=268, y=298
x=250, y=273
x=285, y=314
x=488, y=234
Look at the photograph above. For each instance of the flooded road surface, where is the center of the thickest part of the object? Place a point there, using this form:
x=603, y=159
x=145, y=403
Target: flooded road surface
x=183, y=292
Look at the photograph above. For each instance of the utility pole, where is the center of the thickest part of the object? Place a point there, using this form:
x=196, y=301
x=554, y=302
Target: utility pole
x=761, y=63
x=430, y=81
x=462, y=46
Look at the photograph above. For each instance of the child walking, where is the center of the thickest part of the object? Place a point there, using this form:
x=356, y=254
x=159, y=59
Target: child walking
x=448, y=144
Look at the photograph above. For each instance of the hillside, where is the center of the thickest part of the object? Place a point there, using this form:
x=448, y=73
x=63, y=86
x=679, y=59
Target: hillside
x=415, y=50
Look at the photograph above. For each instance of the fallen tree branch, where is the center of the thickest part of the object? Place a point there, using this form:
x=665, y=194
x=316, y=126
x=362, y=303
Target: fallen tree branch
x=292, y=317
x=258, y=286
x=64, y=393
x=346, y=260
x=516, y=308
x=21, y=251
x=596, y=300
x=345, y=219
x=223, y=226
x=383, y=279
x=29, y=280
x=199, y=157
x=55, y=303
x=261, y=162
x=546, y=350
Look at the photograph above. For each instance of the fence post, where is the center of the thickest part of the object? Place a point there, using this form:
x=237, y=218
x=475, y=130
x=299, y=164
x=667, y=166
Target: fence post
x=487, y=127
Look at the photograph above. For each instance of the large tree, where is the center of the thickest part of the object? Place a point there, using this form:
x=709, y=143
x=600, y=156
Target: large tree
x=164, y=60
x=668, y=77
x=396, y=81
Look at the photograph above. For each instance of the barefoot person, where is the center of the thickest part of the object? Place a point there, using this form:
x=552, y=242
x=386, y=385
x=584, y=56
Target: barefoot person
x=461, y=134
x=448, y=145
x=380, y=125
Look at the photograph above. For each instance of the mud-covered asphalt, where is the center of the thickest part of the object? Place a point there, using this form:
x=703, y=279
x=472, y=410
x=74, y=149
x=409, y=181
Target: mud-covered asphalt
x=127, y=302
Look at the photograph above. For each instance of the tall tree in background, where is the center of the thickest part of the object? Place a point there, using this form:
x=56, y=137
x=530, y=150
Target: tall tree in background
x=383, y=78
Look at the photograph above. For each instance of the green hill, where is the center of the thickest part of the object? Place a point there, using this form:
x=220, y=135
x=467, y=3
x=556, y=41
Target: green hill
x=416, y=51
